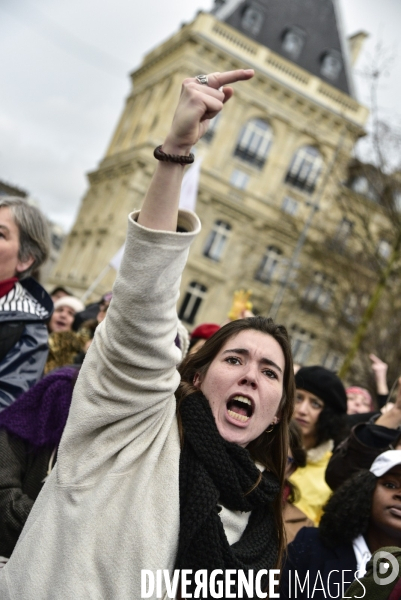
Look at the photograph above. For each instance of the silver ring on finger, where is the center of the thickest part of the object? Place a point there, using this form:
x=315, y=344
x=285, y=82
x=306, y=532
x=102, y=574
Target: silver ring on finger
x=202, y=79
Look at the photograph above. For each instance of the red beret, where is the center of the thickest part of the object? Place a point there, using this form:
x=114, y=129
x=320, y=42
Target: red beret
x=205, y=331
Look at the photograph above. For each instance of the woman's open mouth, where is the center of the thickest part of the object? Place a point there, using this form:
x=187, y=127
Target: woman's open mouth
x=240, y=408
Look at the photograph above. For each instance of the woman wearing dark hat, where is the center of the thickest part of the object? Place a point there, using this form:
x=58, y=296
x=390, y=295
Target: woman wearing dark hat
x=320, y=411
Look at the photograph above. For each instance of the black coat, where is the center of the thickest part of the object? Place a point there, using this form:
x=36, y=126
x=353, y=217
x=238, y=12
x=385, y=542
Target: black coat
x=317, y=565
x=22, y=471
x=365, y=442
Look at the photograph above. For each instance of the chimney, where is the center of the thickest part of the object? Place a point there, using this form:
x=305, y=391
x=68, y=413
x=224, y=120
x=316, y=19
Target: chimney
x=356, y=42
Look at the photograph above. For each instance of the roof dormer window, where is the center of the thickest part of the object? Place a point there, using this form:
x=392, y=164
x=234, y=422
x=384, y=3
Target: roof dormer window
x=293, y=41
x=332, y=65
x=252, y=20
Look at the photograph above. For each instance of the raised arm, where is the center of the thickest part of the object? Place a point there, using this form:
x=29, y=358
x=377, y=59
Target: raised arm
x=197, y=105
x=124, y=401
x=379, y=369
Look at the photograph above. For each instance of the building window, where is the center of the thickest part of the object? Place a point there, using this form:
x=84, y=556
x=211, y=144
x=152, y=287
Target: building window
x=353, y=307
x=344, y=230
x=269, y=265
x=293, y=41
x=384, y=249
x=211, y=130
x=239, y=179
x=343, y=233
x=361, y=185
x=217, y=240
x=57, y=241
x=194, y=295
x=289, y=205
x=397, y=200
x=252, y=20
x=331, y=65
x=254, y=142
x=301, y=343
x=350, y=308
x=305, y=169
x=331, y=361
x=320, y=290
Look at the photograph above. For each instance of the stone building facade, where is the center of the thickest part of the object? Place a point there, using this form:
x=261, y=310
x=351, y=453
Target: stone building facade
x=273, y=166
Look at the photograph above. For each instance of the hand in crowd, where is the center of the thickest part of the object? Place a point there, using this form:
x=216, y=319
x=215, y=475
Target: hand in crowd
x=384, y=409
x=379, y=369
x=391, y=412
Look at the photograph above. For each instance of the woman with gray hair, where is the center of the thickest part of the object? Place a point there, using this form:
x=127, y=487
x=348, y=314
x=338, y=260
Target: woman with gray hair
x=24, y=305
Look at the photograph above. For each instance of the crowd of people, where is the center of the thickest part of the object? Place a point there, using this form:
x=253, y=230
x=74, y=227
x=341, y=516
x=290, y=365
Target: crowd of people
x=129, y=445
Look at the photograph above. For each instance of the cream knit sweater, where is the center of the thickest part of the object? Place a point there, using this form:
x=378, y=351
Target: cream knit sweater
x=111, y=504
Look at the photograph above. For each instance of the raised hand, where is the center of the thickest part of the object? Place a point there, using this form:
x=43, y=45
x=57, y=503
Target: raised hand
x=198, y=104
x=379, y=369
x=391, y=412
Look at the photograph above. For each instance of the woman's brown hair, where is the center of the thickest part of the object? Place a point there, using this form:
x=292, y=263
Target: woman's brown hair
x=269, y=449
x=296, y=445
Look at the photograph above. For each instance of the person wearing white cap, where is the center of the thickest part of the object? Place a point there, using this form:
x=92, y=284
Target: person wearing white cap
x=363, y=515
x=65, y=309
x=385, y=462
x=64, y=344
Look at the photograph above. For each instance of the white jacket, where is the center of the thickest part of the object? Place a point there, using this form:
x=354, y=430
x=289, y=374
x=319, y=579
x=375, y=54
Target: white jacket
x=111, y=505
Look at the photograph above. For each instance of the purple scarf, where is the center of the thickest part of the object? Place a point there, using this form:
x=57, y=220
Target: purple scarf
x=39, y=415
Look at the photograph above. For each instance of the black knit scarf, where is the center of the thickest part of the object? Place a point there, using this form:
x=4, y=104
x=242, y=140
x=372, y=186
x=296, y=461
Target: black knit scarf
x=214, y=471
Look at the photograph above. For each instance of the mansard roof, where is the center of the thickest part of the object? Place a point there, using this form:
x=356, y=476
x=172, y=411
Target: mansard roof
x=310, y=27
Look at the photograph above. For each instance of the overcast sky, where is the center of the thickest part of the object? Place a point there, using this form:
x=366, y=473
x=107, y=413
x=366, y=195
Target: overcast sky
x=64, y=79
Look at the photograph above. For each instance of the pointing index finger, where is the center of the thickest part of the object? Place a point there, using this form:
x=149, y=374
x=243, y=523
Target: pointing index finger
x=217, y=80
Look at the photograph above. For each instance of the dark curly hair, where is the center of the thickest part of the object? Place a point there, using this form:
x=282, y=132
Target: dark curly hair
x=331, y=426
x=347, y=513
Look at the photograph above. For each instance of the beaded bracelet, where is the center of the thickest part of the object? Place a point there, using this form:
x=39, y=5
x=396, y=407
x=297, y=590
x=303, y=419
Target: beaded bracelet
x=174, y=158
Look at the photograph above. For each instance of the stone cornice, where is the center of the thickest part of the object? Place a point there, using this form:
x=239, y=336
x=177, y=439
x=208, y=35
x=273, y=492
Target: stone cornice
x=269, y=67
